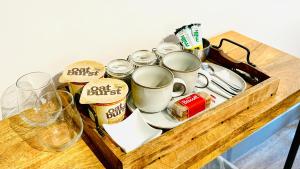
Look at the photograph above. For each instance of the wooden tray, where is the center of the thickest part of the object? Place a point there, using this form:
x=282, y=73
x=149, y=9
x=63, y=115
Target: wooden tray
x=261, y=88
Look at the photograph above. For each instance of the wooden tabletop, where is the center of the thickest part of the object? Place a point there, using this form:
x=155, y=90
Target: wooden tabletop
x=18, y=151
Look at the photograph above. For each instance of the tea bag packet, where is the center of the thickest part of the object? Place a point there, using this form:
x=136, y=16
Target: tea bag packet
x=80, y=73
x=185, y=37
x=107, y=98
x=197, y=35
x=190, y=36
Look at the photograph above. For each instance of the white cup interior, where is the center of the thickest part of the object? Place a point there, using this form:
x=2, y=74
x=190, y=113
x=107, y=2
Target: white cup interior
x=181, y=61
x=152, y=76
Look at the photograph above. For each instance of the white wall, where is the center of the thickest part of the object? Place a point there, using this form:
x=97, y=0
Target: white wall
x=47, y=35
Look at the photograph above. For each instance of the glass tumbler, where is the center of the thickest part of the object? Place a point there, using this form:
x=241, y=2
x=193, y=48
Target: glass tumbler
x=66, y=129
x=9, y=105
x=33, y=109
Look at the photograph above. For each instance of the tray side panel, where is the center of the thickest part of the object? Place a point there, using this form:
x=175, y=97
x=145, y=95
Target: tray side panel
x=187, y=132
x=100, y=149
x=213, y=143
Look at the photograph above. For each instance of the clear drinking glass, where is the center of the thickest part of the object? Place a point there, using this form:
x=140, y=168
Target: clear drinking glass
x=34, y=109
x=9, y=105
x=66, y=129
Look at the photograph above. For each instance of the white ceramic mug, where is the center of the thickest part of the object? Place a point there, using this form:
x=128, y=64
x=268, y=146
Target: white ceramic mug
x=185, y=66
x=152, y=88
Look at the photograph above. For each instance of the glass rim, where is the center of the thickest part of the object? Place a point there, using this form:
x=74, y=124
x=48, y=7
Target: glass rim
x=149, y=58
x=129, y=67
x=70, y=103
x=166, y=45
x=37, y=72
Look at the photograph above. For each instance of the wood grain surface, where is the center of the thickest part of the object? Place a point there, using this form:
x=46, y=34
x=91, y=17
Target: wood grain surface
x=18, y=150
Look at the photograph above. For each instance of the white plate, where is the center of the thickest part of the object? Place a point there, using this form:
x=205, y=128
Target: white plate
x=138, y=132
x=165, y=121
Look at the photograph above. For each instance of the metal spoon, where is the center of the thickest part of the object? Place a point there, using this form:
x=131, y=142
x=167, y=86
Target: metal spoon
x=209, y=80
x=223, y=89
x=218, y=93
x=211, y=71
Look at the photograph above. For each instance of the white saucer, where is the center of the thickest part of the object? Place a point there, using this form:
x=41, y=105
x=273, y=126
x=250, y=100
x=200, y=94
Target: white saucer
x=164, y=120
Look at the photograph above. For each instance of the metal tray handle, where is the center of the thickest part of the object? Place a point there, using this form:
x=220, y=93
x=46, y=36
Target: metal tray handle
x=239, y=45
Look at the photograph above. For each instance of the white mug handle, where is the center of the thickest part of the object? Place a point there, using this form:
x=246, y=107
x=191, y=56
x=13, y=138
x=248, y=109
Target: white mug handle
x=183, y=87
x=205, y=80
